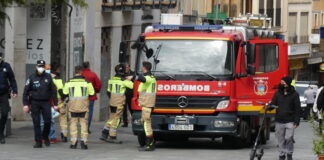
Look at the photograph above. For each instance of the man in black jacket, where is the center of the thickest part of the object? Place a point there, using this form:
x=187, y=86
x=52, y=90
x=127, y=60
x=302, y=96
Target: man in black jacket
x=7, y=84
x=129, y=95
x=39, y=92
x=287, y=117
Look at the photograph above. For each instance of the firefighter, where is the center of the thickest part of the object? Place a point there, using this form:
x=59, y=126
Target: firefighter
x=117, y=86
x=39, y=92
x=147, y=98
x=55, y=72
x=78, y=89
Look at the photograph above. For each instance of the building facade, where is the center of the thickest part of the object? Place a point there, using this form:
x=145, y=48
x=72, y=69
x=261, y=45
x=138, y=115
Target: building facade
x=69, y=35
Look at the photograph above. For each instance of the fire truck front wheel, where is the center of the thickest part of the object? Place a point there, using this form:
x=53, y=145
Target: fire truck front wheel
x=244, y=138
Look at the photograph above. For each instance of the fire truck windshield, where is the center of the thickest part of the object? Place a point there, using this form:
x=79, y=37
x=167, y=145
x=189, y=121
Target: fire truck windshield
x=190, y=57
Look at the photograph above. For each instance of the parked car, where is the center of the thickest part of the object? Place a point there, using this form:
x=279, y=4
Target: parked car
x=300, y=88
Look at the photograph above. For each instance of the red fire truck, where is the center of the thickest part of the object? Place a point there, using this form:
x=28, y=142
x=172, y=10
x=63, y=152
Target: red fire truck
x=209, y=80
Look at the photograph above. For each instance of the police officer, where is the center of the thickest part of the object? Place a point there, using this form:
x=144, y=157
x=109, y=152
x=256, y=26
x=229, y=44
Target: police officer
x=39, y=92
x=116, y=91
x=78, y=89
x=7, y=84
x=55, y=73
x=147, y=98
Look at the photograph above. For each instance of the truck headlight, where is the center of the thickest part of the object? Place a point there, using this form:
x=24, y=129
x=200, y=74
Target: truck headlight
x=223, y=104
x=223, y=124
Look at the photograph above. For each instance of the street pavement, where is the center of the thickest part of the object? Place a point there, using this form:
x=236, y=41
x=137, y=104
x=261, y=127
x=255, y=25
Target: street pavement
x=19, y=147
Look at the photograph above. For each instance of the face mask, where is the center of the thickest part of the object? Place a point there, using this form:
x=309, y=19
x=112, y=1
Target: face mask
x=40, y=69
x=48, y=71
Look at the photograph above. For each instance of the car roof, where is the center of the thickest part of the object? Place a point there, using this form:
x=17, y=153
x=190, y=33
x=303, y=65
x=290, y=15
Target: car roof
x=305, y=85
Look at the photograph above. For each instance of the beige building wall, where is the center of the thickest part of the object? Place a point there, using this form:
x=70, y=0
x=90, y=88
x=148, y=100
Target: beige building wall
x=318, y=14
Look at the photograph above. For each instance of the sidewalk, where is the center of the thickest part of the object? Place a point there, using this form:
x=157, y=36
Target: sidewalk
x=19, y=147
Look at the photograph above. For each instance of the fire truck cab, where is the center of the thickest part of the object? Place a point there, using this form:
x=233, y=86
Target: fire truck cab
x=209, y=78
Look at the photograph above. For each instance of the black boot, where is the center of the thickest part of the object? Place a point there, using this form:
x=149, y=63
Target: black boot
x=289, y=157
x=47, y=142
x=113, y=139
x=38, y=144
x=83, y=145
x=282, y=157
x=2, y=139
x=104, y=134
x=74, y=146
x=150, y=145
x=63, y=138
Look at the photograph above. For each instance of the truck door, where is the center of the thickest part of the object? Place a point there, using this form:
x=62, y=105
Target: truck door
x=258, y=71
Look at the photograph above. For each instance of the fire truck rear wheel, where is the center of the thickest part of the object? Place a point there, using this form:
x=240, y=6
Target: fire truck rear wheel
x=141, y=139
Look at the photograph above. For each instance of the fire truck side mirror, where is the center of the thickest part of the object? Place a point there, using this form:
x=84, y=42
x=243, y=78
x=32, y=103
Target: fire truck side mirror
x=250, y=70
x=250, y=53
x=149, y=53
x=123, y=49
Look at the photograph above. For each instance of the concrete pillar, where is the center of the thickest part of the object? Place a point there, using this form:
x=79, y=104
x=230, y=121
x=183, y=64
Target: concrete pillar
x=93, y=48
x=255, y=7
x=274, y=13
x=116, y=32
x=16, y=45
x=298, y=27
x=244, y=7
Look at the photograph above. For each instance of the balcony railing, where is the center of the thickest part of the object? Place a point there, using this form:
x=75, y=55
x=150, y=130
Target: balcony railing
x=292, y=39
x=304, y=39
x=115, y=5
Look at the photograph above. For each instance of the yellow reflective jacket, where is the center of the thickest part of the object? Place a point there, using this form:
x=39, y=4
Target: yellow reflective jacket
x=117, y=88
x=78, y=89
x=59, y=85
x=147, y=90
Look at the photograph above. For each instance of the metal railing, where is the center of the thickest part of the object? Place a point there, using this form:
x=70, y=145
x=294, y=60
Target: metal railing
x=112, y=5
x=292, y=39
x=304, y=39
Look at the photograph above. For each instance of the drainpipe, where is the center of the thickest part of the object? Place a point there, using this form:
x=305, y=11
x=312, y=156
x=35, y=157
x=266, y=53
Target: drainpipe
x=68, y=68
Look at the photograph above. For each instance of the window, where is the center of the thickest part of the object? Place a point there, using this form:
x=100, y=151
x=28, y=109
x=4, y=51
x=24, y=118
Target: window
x=266, y=58
x=315, y=19
x=304, y=27
x=278, y=13
x=270, y=8
x=261, y=6
x=292, y=21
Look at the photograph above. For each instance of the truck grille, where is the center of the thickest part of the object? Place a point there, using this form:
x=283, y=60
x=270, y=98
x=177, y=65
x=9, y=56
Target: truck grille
x=194, y=102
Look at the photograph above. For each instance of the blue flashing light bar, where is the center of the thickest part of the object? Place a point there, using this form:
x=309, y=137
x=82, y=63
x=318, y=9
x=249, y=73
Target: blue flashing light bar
x=187, y=27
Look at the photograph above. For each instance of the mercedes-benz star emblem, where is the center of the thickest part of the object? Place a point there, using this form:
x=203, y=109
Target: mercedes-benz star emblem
x=183, y=102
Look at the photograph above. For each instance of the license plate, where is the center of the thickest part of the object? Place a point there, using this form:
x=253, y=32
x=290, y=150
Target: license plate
x=181, y=127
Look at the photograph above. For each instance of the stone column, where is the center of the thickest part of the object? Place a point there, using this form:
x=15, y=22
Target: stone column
x=16, y=46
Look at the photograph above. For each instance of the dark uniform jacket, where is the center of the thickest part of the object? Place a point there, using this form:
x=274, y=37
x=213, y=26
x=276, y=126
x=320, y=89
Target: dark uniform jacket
x=320, y=100
x=129, y=92
x=40, y=88
x=288, y=106
x=7, y=79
